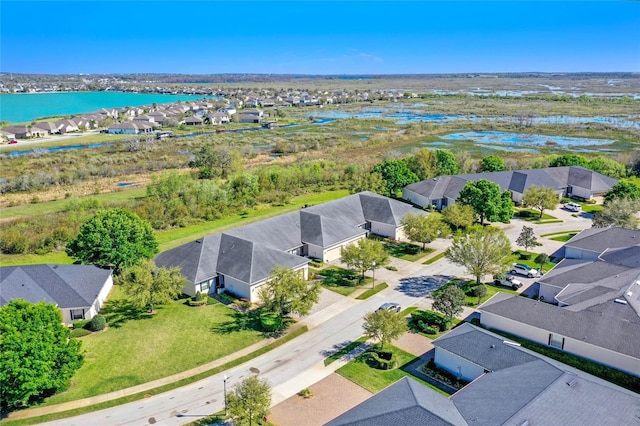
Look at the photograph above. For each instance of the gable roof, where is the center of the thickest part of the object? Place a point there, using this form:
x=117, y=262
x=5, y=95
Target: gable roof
x=610, y=325
x=600, y=239
x=67, y=286
x=558, y=178
x=405, y=403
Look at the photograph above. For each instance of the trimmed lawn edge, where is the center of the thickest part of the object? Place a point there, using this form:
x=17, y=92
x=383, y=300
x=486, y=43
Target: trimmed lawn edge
x=561, y=233
x=434, y=258
x=350, y=347
x=377, y=289
x=160, y=389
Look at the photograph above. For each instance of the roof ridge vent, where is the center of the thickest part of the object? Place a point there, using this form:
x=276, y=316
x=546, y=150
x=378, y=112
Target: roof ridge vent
x=620, y=301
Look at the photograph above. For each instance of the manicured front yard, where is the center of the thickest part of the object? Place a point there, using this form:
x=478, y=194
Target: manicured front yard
x=374, y=380
x=467, y=287
x=342, y=281
x=403, y=250
x=138, y=348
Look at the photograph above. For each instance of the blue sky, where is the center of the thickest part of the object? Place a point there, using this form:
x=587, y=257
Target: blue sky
x=329, y=37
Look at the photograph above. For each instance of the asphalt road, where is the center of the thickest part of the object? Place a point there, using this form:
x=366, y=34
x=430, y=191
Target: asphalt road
x=285, y=367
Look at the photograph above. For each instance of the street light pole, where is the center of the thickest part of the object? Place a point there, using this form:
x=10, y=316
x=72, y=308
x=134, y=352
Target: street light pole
x=373, y=271
x=225, y=394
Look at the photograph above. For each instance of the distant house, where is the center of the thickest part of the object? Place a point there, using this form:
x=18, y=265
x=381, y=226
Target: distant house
x=145, y=119
x=442, y=191
x=193, y=121
x=48, y=127
x=66, y=126
x=79, y=291
x=508, y=386
x=5, y=135
x=130, y=127
x=20, y=132
x=241, y=260
x=589, y=303
x=248, y=118
x=228, y=110
x=217, y=118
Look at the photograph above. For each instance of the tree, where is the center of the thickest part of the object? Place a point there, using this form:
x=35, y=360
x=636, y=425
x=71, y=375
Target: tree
x=37, y=357
x=449, y=301
x=146, y=285
x=608, y=167
x=540, y=198
x=625, y=188
x=446, y=163
x=482, y=251
x=114, y=238
x=384, y=326
x=458, y=215
x=480, y=291
x=422, y=163
x=493, y=163
x=286, y=291
x=396, y=174
x=217, y=162
x=365, y=181
x=365, y=255
x=422, y=228
x=249, y=402
x=619, y=212
x=243, y=189
x=526, y=238
x=541, y=259
x=569, y=160
x=485, y=199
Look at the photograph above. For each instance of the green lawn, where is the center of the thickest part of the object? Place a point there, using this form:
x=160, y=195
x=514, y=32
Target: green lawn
x=563, y=238
x=467, y=287
x=342, y=281
x=345, y=350
x=434, y=258
x=374, y=380
x=138, y=348
x=530, y=262
x=372, y=291
x=403, y=250
x=573, y=231
x=532, y=215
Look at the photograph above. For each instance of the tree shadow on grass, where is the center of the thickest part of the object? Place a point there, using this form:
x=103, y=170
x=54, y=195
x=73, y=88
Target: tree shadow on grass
x=339, y=277
x=119, y=311
x=249, y=321
x=422, y=286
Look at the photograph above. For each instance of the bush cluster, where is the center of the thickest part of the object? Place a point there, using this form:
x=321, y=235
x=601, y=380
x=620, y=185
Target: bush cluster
x=97, y=323
x=383, y=360
x=429, y=322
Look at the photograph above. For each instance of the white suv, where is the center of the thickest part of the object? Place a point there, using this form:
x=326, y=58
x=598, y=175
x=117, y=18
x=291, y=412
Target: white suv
x=573, y=207
x=525, y=270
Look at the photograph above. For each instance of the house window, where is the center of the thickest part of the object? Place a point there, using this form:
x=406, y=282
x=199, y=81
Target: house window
x=77, y=314
x=556, y=341
x=204, y=286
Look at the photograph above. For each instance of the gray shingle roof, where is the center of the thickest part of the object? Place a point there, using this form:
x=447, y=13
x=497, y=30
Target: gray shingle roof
x=600, y=239
x=482, y=349
x=197, y=259
x=68, y=286
x=558, y=178
x=608, y=325
x=404, y=403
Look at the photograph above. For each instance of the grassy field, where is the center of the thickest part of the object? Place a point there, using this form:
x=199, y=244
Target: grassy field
x=138, y=348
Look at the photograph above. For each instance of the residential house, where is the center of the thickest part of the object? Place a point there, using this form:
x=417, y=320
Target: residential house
x=20, y=132
x=442, y=191
x=217, y=118
x=228, y=110
x=130, y=127
x=6, y=136
x=145, y=119
x=589, y=303
x=241, y=260
x=248, y=118
x=193, y=121
x=508, y=386
x=48, y=127
x=66, y=126
x=79, y=291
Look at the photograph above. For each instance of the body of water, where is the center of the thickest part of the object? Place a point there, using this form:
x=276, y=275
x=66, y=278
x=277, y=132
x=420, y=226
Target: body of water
x=25, y=107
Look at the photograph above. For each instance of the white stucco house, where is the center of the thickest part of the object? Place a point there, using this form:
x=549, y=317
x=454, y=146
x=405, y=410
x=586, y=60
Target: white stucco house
x=240, y=260
x=442, y=191
x=79, y=291
x=589, y=303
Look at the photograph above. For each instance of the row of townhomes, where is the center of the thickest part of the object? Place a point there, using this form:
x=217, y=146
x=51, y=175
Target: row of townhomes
x=589, y=303
x=568, y=181
x=241, y=260
x=508, y=385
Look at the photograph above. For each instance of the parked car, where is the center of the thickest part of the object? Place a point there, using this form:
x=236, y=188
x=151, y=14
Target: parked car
x=507, y=281
x=13, y=142
x=393, y=307
x=573, y=207
x=522, y=269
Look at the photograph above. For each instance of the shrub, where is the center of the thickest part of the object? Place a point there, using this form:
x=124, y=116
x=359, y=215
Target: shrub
x=391, y=268
x=305, y=393
x=525, y=256
x=198, y=297
x=427, y=329
x=97, y=323
x=383, y=360
x=429, y=319
x=79, y=332
x=80, y=324
x=271, y=321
